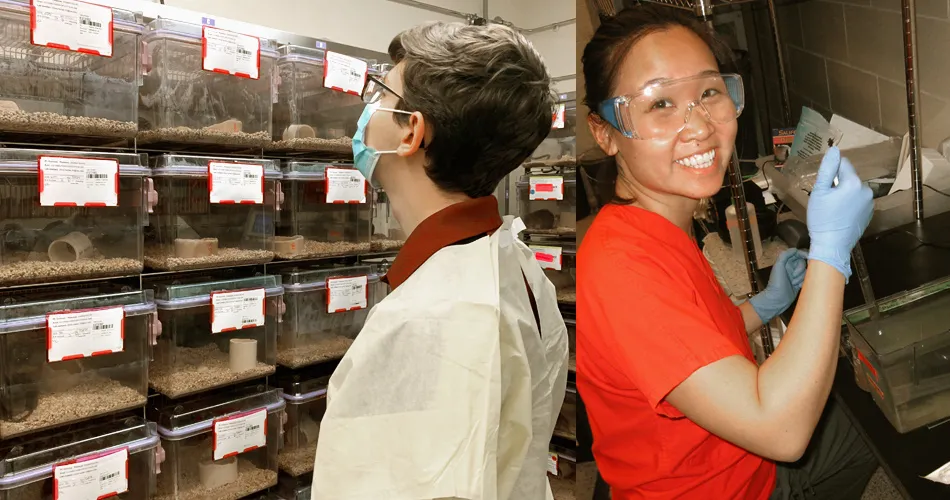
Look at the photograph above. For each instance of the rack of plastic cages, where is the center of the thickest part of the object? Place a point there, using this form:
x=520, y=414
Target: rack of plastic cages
x=547, y=200
x=49, y=95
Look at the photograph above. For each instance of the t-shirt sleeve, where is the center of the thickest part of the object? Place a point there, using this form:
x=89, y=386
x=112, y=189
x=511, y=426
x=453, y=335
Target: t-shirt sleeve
x=650, y=323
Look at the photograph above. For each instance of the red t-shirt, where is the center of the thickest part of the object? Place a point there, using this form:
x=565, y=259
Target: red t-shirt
x=650, y=313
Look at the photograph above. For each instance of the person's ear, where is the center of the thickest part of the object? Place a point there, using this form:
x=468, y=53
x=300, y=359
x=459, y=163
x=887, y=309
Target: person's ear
x=412, y=136
x=602, y=132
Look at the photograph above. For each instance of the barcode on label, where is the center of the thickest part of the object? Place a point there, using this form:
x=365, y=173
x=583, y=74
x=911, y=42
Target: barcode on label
x=243, y=51
x=90, y=22
x=245, y=321
x=109, y=476
x=252, y=428
x=249, y=175
x=97, y=176
x=100, y=326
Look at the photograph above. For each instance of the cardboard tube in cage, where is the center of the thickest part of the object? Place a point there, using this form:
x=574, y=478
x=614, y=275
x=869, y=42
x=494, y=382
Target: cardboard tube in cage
x=243, y=355
x=215, y=473
x=195, y=248
x=299, y=132
x=72, y=247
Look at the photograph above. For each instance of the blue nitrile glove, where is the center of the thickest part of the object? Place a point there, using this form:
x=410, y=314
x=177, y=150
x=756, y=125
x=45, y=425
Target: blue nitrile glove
x=837, y=215
x=785, y=282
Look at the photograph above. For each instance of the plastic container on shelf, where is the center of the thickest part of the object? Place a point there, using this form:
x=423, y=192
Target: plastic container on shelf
x=294, y=487
x=559, y=261
x=559, y=148
x=380, y=266
x=571, y=323
x=901, y=352
x=547, y=199
x=181, y=102
x=308, y=116
x=81, y=219
x=118, y=459
x=326, y=309
x=215, y=334
x=306, y=403
x=212, y=212
x=68, y=360
x=46, y=90
x=220, y=447
x=322, y=215
x=387, y=234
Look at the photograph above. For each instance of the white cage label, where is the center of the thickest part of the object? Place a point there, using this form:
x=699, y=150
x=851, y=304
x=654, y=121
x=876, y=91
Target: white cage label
x=81, y=334
x=240, y=183
x=552, y=464
x=548, y=257
x=240, y=433
x=92, y=478
x=347, y=294
x=559, y=116
x=237, y=310
x=230, y=53
x=78, y=182
x=344, y=73
x=345, y=185
x=72, y=25
x=546, y=188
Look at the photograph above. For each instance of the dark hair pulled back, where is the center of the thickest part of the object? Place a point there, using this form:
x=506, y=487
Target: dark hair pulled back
x=603, y=57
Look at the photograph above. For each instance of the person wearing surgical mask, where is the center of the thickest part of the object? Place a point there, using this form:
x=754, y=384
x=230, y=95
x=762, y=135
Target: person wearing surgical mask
x=453, y=387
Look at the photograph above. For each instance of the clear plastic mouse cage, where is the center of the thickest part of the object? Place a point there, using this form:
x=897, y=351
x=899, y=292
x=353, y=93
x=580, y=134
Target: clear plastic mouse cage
x=308, y=116
x=121, y=458
x=64, y=360
x=306, y=403
x=215, y=333
x=212, y=212
x=220, y=446
x=387, y=234
x=85, y=222
x=901, y=349
x=560, y=146
x=326, y=211
x=46, y=90
x=547, y=199
x=559, y=261
x=182, y=102
x=326, y=309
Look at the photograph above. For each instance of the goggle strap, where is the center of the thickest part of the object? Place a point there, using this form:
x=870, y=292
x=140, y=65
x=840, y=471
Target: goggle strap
x=609, y=110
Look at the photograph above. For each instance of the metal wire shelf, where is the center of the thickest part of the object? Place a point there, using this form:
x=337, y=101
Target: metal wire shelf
x=698, y=5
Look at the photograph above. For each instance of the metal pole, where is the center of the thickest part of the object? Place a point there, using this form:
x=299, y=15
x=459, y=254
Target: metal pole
x=748, y=246
x=909, y=15
x=780, y=59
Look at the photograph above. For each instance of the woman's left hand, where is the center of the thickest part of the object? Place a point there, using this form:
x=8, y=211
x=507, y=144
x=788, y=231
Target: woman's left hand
x=788, y=275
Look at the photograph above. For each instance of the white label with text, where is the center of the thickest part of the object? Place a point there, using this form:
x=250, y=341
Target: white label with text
x=81, y=334
x=236, y=183
x=231, y=53
x=345, y=73
x=345, y=185
x=237, y=310
x=240, y=433
x=552, y=464
x=72, y=25
x=347, y=294
x=78, y=182
x=94, y=478
x=548, y=257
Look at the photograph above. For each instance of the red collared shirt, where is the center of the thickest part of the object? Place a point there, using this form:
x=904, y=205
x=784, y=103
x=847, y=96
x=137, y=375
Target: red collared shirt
x=650, y=313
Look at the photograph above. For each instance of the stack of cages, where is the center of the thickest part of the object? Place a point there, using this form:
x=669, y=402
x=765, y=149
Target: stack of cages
x=215, y=333
x=72, y=355
x=326, y=309
x=558, y=258
x=67, y=215
x=123, y=457
x=899, y=350
x=186, y=98
x=83, y=91
x=212, y=212
x=387, y=234
x=310, y=114
x=326, y=212
x=221, y=446
x=306, y=399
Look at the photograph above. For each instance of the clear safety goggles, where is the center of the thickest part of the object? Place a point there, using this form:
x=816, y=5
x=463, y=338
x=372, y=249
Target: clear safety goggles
x=662, y=110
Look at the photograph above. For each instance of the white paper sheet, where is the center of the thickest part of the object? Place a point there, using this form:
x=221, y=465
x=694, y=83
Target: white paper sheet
x=854, y=135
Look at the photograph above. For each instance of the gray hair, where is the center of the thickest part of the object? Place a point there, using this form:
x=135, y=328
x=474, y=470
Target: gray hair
x=486, y=93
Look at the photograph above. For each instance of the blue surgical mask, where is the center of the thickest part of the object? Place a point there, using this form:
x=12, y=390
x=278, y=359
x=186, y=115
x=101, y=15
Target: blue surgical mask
x=365, y=157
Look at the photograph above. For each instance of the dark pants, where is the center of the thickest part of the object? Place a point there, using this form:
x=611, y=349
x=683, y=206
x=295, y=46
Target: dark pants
x=836, y=466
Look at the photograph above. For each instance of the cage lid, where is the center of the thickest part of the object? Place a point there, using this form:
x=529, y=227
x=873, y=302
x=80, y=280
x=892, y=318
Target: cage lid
x=164, y=26
x=34, y=460
x=25, y=161
x=311, y=171
x=32, y=315
x=297, y=390
x=182, y=296
x=124, y=20
x=195, y=416
x=174, y=165
x=296, y=280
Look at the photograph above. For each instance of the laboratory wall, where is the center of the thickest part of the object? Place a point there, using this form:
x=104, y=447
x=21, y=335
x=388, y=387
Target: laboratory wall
x=847, y=58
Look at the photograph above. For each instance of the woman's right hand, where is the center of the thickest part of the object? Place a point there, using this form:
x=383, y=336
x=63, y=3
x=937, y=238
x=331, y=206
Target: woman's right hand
x=837, y=215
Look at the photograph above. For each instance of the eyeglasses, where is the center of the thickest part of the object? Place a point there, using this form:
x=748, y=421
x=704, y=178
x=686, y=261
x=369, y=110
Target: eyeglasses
x=374, y=90
x=662, y=110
